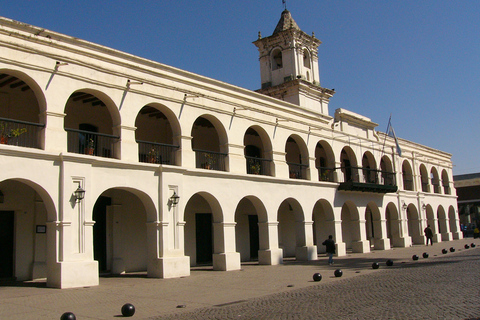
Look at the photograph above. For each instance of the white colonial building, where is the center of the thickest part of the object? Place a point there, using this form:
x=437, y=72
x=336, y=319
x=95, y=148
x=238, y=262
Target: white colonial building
x=180, y=170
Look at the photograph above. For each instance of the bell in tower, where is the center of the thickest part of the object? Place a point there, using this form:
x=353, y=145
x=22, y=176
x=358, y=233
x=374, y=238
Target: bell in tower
x=289, y=66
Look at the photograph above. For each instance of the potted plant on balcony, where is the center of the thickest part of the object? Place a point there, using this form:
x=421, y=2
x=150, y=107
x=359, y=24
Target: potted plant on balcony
x=6, y=133
x=90, y=148
x=255, y=167
x=209, y=161
x=152, y=156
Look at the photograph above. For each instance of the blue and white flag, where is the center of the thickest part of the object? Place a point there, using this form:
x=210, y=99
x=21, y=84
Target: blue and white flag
x=391, y=133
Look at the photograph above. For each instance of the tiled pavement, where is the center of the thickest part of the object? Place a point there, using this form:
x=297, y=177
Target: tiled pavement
x=443, y=286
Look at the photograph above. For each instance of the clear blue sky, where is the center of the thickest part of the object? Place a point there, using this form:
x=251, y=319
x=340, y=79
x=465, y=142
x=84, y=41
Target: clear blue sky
x=417, y=60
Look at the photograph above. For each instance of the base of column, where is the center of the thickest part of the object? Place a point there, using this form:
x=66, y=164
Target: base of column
x=382, y=244
x=169, y=267
x=437, y=238
x=457, y=235
x=73, y=274
x=226, y=261
x=39, y=270
x=271, y=257
x=361, y=246
x=306, y=253
x=401, y=242
x=341, y=249
x=446, y=236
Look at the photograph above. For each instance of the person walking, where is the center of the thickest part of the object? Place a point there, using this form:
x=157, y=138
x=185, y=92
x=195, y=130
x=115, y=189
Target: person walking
x=429, y=234
x=330, y=247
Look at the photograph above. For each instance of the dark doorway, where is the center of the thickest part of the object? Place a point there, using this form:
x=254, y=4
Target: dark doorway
x=100, y=232
x=254, y=236
x=6, y=243
x=204, y=238
x=348, y=170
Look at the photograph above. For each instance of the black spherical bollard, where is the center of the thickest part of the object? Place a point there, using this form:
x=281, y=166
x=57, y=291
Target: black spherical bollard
x=472, y=245
x=415, y=257
x=452, y=249
x=128, y=310
x=338, y=273
x=389, y=262
x=444, y=251
x=375, y=265
x=68, y=316
x=317, y=277
x=425, y=255
x=467, y=246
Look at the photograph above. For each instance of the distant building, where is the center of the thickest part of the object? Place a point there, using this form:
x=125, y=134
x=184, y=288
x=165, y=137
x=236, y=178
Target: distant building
x=114, y=164
x=468, y=192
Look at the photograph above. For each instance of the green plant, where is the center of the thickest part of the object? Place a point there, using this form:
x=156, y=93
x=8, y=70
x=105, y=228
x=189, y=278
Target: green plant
x=255, y=167
x=91, y=143
x=9, y=133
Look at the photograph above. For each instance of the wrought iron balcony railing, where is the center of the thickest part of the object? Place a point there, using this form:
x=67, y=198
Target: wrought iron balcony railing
x=258, y=166
x=159, y=153
x=91, y=143
x=20, y=133
x=210, y=160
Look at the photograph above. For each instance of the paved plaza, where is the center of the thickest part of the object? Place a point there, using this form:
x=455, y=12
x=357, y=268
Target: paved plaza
x=442, y=286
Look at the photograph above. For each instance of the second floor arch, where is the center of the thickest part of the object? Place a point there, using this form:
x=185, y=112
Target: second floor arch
x=158, y=135
x=210, y=143
x=92, y=123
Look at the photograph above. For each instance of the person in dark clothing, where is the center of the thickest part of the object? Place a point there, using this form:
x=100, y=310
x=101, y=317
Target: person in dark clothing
x=330, y=246
x=429, y=234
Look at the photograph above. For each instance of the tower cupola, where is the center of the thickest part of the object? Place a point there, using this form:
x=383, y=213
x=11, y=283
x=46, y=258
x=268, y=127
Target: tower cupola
x=289, y=66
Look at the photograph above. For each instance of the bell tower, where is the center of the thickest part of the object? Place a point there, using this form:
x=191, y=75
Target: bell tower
x=289, y=66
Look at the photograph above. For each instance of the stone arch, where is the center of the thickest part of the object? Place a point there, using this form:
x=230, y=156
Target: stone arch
x=323, y=223
x=291, y=230
x=120, y=236
x=435, y=180
x=414, y=225
x=374, y=227
x=387, y=172
x=443, y=227
x=22, y=109
x=296, y=156
x=325, y=161
x=250, y=230
x=27, y=216
x=202, y=239
x=258, y=151
x=369, y=168
x=277, y=59
x=424, y=178
x=92, y=123
x=446, y=182
x=350, y=225
x=349, y=165
x=453, y=222
x=158, y=135
x=394, y=228
x=407, y=176
x=210, y=143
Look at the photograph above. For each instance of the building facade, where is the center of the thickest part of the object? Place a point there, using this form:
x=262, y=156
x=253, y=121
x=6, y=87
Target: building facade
x=179, y=170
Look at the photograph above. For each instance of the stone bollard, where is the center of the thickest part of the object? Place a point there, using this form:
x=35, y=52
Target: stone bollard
x=375, y=265
x=68, y=316
x=425, y=255
x=317, y=277
x=128, y=310
x=444, y=251
x=452, y=249
x=389, y=262
x=415, y=257
x=338, y=273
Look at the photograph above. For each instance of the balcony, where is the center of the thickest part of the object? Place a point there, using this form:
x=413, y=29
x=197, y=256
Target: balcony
x=158, y=153
x=91, y=143
x=297, y=170
x=20, y=133
x=210, y=160
x=325, y=174
x=258, y=166
x=371, y=180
